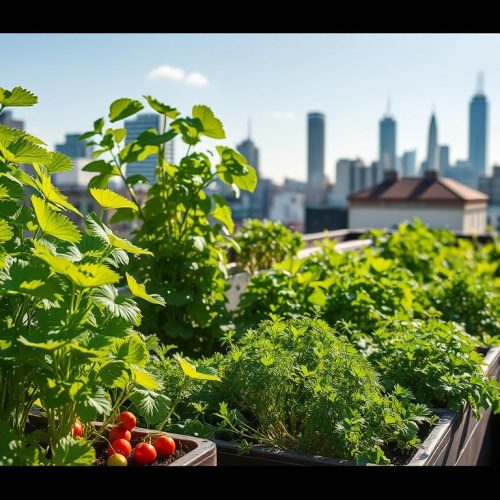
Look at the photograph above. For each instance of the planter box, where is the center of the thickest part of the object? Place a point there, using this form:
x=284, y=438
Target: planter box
x=458, y=439
x=202, y=452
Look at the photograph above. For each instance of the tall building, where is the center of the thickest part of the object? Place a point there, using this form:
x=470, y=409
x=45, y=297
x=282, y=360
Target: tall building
x=432, y=146
x=7, y=120
x=351, y=176
x=73, y=148
x=478, y=130
x=387, y=145
x=444, y=159
x=315, y=148
x=135, y=128
x=249, y=150
x=409, y=163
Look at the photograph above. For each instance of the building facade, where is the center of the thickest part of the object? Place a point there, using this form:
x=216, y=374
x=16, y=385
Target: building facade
x=409, y=163
x=387, y=146
x=73, y=148
x=478, y=131
x=315, y=148
x=432, y=146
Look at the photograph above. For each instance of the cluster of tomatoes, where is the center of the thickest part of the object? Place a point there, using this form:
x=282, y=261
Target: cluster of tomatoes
x=142, y=453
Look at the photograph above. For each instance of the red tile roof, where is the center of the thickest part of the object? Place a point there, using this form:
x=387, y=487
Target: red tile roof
x=431, y=188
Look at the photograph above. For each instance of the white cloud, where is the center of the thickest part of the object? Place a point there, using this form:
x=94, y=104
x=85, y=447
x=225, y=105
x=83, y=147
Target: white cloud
x=193, y=78
x=196, y=79
x=288, y=115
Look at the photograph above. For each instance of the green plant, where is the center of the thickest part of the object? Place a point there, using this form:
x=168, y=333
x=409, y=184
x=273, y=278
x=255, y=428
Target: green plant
x=295, y=384
x=182, y=221
x=67, y=336
x=437, y=361
x=263, y=243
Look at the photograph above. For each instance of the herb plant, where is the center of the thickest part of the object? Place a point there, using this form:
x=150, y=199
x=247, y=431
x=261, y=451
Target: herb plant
x=182, y=221
x=263, y=243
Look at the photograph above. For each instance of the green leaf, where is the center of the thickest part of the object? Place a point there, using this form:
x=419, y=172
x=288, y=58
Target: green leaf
x=53, y=223
x=139, y=290
x=123, y=214
x=18, y=96
x=10, y=188
x=132, y=180
x=152, y=138
x=100, y=166
x=90, y=275
x=123, y=108
x=234, y=169
x=150, y=405
x=317, y=298
x=223, y=214
x=54, y=195
x=191, y=371
x=109, y=199
x=161, y=108
x=124, y=244
x=115, y=374
x=8, y=134
x=25, y=151
x=6, y=232
x=106, y=296
x=144, y=379
x=132, y=350
x=92, y=402
x=59, y=163
x=71, y=451
x=211, y=126
x=380, y=264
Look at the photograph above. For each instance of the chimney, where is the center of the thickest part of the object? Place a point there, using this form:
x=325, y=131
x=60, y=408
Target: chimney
x=431, y=174
x=391, y=175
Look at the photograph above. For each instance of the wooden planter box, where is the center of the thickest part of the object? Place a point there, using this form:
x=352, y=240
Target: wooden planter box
x=202, y=452
x=458, y=439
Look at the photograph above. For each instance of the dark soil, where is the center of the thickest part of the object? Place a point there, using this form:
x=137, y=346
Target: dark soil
x=101, y=450
x=401, y=457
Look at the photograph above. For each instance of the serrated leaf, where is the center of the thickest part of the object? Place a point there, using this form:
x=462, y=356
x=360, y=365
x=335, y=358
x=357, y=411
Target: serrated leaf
x=6, y=232
x=139, y=290
x=161, y=108
x=18, y=96
x=54, y=195
x=152, y=406
x=106, y=296
x=223, y=214
x=109, y=199
x=211, y=126
x=90, y=275
x=51, y=345
x=144, y=379
x=191, y=371
x=24, y=151
x=92, y=402
x=115, y=374
x=71, y=451
x=132, y=350
x=8, y=134
x=118, y=242
x=53, y=223
x=59, y=163
x=123, y=108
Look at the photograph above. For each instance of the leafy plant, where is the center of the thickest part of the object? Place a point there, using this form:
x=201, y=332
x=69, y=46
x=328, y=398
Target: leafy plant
x=67, y=336
x=263, y=243
x=295, y=384
x=437, y=361
x=182, y=222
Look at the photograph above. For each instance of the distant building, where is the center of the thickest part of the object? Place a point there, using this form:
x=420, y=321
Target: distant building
x=288, y=207
x=250, y=151
x=432, y=146
x=315, y=148
x=444, y=159
x=7, y=120
x=320, y=219
x=478, y=130
x=462, y=172
x=135, y=128
x=409, y=163
x=387, y=145
x=294, y=185
x=75, y=177
x=351, y=176
x=74, y=148
x=438, y=201
x=491, y=187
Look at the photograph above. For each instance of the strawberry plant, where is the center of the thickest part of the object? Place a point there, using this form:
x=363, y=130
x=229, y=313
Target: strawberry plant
x=182, y=221
x=263, y=243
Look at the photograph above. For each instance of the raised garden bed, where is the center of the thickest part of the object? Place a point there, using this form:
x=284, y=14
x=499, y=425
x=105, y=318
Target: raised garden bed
x=458, y=439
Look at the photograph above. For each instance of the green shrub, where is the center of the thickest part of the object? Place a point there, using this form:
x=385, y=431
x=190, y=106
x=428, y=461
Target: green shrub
x=182, y=221
x=263, y=243
x=437, y=361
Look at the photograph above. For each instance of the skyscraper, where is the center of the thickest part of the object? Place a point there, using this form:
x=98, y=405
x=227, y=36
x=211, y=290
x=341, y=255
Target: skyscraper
x=444, y=159
x=249, y=150
x=432, y=146
x=7, y=120
x=315, y=148
x=135, y=128
x=387, y=146
x=478, y=130
x=409, y=163
x=73, y=148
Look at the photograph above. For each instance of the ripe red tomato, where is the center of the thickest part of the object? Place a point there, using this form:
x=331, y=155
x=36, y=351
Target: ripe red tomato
x=126, y=420
x=121, y=446
x=165, y=446
x=119, y=433
x=78, y=429
x=117, y=460
x=144, y=454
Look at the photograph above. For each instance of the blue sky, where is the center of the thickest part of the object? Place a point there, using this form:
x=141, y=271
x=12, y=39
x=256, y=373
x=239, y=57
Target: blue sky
x=274, y=79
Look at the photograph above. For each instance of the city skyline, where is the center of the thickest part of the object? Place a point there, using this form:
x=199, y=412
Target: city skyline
x=348, y=78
